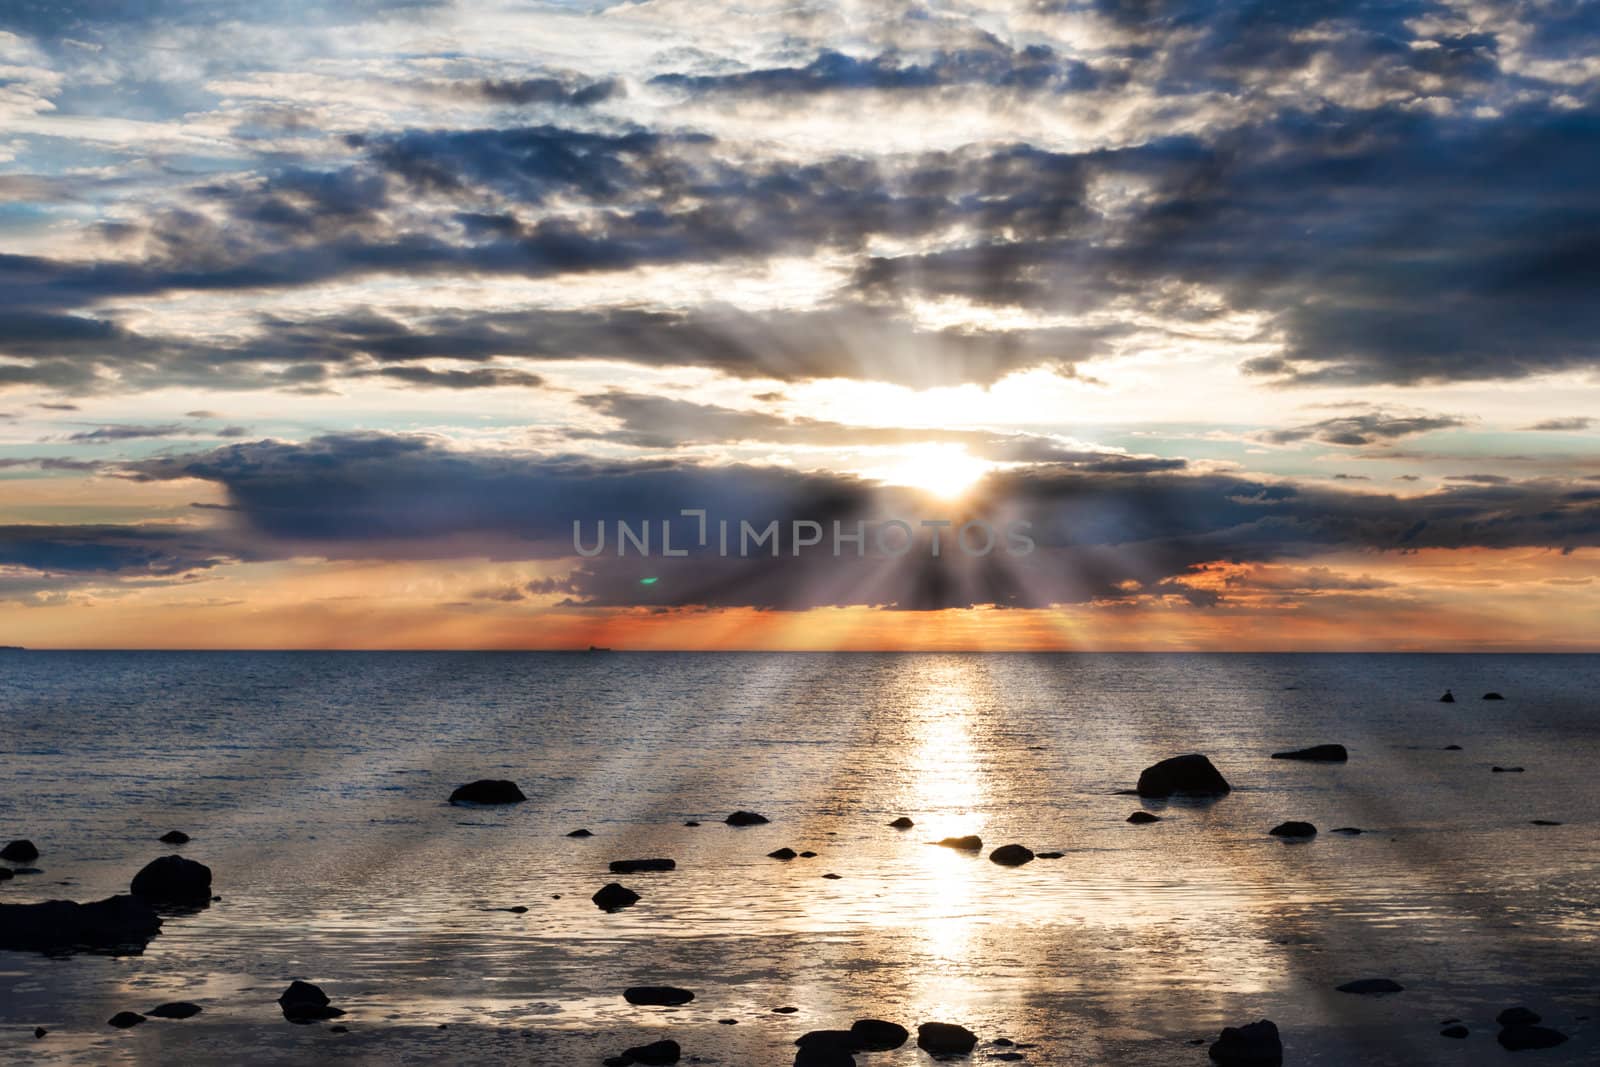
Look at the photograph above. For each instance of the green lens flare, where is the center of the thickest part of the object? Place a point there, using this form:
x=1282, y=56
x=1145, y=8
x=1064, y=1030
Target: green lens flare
x=648, y=581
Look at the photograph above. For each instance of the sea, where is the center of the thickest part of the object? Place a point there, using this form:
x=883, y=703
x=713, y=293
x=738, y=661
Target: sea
x=315, y=786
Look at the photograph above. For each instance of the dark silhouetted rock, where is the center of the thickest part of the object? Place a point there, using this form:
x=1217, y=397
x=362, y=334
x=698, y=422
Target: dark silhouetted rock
x=875, y=1035
x=6, y=873
x=39, y=1031
x=1456, y=1032
x=1506, y=770
x=658, y=996
x=21, y=851
x=946, y=1039
x=1372, y=985
x=1191, y=775
x=1255, y=1045
x=1011, y=855
x=1520, y=1038
x=1448, y=698
x=1353, y=831
x=612, y=896
x=746, y=818
x=303, y=1002
x=177, y=1009
x=833, y=877
x=1048, y=855
x=174, y=837
x=1139, y=818
x=580, y=833
x=823, y=1056
x=1493, y=696
x=692, y=822
x=1293, y=828
x=727, y=1022
x=173, y=880
x=902, y=823
x=1544, y=822
x=808, y=855
x=116, y=924
x=19, y=871
x=1316, y=754
x=969, y=843
x=124, y=1019
x=635, y=866
x=783, y=854
x=829, y=1041
x=657, y=1052
x=1518, y=1016
x=488, y=791
x=515, y=909
x=1452, y=748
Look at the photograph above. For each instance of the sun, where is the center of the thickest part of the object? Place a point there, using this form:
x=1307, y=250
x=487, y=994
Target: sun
x=946, y=471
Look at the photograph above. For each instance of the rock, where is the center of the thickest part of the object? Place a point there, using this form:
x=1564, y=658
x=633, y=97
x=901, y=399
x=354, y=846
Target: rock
x=1255, y=1045
x=656, y=1052
x=1456, y=1032
x=658, y=996
x=1191, y=775
x=6, y=873
x=746, y=818
x=618, y=1061
x=1353, y=831
x=38, y=1032
x=1316, y=754
x=338, y=1029
x=808, y=855
x=833, y=877
x=1543, y=822
x=173, y=880
x=1518, y=1016
x=691, y=822
x=174, y=837
x=177, y=1009
x=19, y=871
x=969, y=843
x=1518, y=1038
x=21, y=851
x=116, y=924
x=1448, y=698
x=1011, y=856
x=1493, y=696
x=122, y=1020
x=1048, y=855
x=727, y=1022
x=1372, y=985
x=613, y=896
x=875, y=1035
x=488, y=791
x=1140, y=818
x=1506, y=770
x=303, y=1002
x=816, y=1056
x=1293, y=828
x=829, y=1041
x=635, y=866
x=784, y=1011
x=580, y=833
x=1452, y=748
x=945, y=1039
x=516, y=909
x=783, y=854
x=902, y=823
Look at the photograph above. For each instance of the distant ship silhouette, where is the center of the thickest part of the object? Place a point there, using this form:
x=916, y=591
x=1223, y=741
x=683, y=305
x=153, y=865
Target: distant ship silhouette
x=12, y=648
x=597, y=648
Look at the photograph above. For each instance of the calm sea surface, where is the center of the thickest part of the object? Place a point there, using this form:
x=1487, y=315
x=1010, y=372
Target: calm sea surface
x=314, y=786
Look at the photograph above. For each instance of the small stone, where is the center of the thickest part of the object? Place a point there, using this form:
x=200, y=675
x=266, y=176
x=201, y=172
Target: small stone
x=580, y=833
x=1139, y=818
x=488, y=791
x=1191, y=775
x=659, y=996
x=783, y=854
x=1316, y=754
x=303, y=1002
x=635, y=866
x=1544, y=822
x=945, y=1039
x=1448, y=698
x=968, y=843
x=174, y=837
x=1293, y=829
x=122, y=1020
x=876, y=1035
x=1506, y=770
x=1011, y=855
x=746, y=818
x=39, y=1031
x=657, y=1052
x=808, y=855
x=1518, y=1038
x=1452, y=748
x=1493, y=696
x=727, y=1022
x=1518, y=1016
x=613, y=896
x=1351, y=830
x=834, y=877
x=177, y=1009
x=1255, y=1045
x=691, y=822
x=20, y=851
x=1456, y=1032
x=338, y=1029
x=1048, y=855
x=784, y=1011
x=902, y=823
x=173, y=879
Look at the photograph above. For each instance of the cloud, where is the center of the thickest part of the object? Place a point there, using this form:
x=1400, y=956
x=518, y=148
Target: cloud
x=1578, y=422
x=1372, y=427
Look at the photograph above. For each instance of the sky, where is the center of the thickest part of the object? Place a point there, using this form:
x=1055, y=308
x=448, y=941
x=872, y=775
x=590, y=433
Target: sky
x=1267, y=326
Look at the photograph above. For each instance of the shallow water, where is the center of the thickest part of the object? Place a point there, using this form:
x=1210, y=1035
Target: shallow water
x=314, y=784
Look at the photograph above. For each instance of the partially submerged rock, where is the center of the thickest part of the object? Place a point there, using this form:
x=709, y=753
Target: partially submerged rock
x=902, y=823
x=174, y=837
x=19, y=851
x=659, y=996
x=876, y=1035
x=1370, y=986
x=1316, y=754
x=1293, y=828
x=1255, y=1045
x=488, y=791
x=580, y=833
x=1518, y=1016
x=1190, y=775
x=1448, y=698
x=116, y=924
x=1506, y=770
x=1140, y=818
x=177, y=1009
x=122, y=1020
x=1011, y=855
x=967, y=843
x=613, y=896
x=657, y=1052
x=783, y=854
x=303, y=1002
x=1493, y=696
x=1519, y=1038
x=945, y=1039
x=173, y=880
x=635, y=866
x=746, y=818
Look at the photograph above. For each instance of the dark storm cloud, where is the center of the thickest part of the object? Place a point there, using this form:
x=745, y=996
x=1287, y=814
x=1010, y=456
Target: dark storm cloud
x=128, y=551
x=1362, y=429
x=1100, y=534
x=1035, y=68
x=569, y=91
